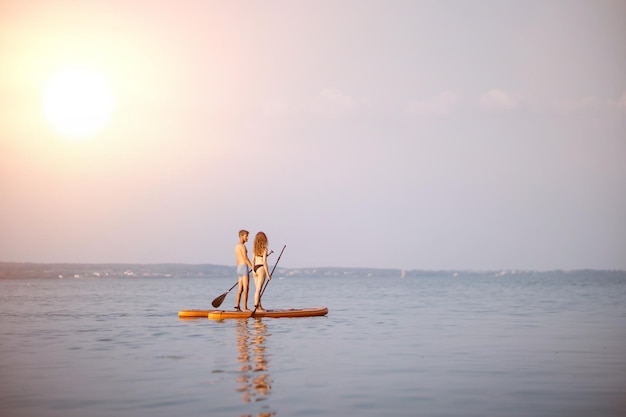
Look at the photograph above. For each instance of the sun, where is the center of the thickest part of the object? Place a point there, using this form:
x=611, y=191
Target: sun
x=78, y=102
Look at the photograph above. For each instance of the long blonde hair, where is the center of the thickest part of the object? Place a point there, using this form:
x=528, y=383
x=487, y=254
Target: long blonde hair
x=260, y=244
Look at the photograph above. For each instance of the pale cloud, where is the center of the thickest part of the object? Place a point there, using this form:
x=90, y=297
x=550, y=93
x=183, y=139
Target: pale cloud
x=276, y=108
x=621, y=103
x=332, y=102
x=591, y=104
x=441, y=104
x=496, y=99
x=578, y=104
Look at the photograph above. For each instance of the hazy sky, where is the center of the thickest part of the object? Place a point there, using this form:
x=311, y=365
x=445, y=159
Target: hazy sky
x=401, y=134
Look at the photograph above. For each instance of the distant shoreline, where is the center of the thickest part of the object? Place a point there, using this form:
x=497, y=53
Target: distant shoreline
x=13, y=270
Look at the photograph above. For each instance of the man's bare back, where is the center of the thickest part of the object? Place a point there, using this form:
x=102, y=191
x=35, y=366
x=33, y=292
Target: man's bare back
x=241, y=253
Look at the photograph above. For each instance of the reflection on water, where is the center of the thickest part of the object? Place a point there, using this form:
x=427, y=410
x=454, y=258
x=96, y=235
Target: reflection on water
x=254, y=381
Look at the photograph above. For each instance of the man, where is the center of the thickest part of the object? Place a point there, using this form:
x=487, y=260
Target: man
x=244, y=266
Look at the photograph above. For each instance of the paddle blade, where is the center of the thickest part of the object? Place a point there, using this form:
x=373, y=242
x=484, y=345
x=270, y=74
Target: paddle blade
x=219, y=300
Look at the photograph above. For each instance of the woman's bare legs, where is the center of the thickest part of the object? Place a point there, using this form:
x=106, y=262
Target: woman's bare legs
x=259, y=280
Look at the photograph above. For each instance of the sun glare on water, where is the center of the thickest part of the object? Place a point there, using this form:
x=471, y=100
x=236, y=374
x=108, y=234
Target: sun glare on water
x=78, y=102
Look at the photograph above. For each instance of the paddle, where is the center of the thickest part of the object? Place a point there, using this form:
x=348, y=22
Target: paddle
x=220, y=299
x=268, y=281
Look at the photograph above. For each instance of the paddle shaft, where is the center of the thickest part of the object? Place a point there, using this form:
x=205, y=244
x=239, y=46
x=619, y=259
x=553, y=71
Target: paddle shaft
x=268, y=281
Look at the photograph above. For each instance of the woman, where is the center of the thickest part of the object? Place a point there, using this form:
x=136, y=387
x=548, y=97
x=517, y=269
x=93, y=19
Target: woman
x=260, y=267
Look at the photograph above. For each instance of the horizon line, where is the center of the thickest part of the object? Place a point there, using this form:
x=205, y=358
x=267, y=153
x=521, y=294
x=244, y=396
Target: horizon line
x=325, y=267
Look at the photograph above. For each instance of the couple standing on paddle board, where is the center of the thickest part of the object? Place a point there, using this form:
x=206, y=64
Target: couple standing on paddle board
x=259, y=268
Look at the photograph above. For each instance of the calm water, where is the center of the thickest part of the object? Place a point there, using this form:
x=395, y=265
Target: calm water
x=483, y=346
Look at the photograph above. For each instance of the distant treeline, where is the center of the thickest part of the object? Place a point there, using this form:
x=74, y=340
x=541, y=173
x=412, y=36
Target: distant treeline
x=12, y=270
x=67, y=270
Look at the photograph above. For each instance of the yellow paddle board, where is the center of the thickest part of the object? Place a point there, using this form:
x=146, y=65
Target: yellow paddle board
x=222, y=314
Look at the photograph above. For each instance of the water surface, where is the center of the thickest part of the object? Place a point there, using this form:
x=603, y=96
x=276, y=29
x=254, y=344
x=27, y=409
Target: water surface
x=428, y=346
